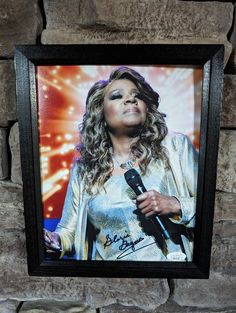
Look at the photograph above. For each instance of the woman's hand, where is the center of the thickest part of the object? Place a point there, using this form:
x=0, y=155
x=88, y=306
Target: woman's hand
x=153, y=203
x=52, y=243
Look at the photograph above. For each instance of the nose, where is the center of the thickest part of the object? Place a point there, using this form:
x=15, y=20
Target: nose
x=131, y=99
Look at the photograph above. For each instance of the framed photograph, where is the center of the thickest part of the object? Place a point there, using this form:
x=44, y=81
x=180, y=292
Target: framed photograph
x=119, y=155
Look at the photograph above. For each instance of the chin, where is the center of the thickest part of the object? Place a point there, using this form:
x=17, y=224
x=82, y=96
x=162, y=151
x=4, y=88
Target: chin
x=135, y=124
x=132, y=118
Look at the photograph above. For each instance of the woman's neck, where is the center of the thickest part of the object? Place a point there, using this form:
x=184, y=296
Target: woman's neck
x=121, y=145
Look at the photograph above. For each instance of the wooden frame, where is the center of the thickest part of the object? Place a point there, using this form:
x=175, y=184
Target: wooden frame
x=210, y=59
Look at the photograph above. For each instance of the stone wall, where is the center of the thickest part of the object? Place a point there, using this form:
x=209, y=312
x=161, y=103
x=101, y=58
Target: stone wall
x=114, y=21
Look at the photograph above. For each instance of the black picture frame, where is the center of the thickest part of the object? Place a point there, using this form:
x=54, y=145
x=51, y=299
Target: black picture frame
x=210, y=58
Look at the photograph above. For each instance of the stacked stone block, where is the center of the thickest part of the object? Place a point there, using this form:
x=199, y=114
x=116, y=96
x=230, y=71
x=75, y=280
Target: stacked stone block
x=113, y=21
x=139, y=22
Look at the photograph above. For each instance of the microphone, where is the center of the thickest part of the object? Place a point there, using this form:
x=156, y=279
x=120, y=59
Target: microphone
x=134, y=180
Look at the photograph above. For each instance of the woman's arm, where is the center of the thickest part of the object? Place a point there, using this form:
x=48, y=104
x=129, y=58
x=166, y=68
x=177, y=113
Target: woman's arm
x=62, y=239
x=183, y=164
x=187, y=179
x=67, y=226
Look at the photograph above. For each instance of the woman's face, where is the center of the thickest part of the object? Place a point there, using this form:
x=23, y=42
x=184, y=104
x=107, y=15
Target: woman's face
x=123, y=107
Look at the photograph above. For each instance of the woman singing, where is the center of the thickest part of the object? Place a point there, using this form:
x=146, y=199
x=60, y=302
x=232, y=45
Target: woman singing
x=123, y=129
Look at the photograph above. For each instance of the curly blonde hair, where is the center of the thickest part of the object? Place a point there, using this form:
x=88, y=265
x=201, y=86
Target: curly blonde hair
x=96, y=163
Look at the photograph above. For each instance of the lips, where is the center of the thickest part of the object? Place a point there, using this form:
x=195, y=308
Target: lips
x=132, y=110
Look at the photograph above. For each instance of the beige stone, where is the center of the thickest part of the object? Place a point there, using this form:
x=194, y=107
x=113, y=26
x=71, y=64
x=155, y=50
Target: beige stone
x=11, y=193
x=11, y=216
x=102, y=292
x=223, y=254
x=233, y=31
x=16, y=175
x=51, y=306
x=216, y=292
x=226, y=175
x=20, y=23
x=173, y=18
x=17, y=284
x=7, y=92
x=71, y=18
x=96, y=36
x=13, y=273
x=4, y=164
x=225, y=206
x=169, y=307
x=228, y=114
x=91, y=292
x=11, y=209
x=12, y=243
x=146, y=21
x=117, y=308
x=24, y=290
x=169, y=18
x=225, y=229
x=231, y=66
x=9, y=306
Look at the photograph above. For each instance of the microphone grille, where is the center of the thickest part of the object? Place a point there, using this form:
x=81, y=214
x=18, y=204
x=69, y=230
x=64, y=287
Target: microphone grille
x=131, y=176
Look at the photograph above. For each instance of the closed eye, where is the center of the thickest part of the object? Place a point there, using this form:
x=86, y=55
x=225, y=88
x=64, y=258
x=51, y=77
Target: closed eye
x=118, y=95
x=115, y=96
